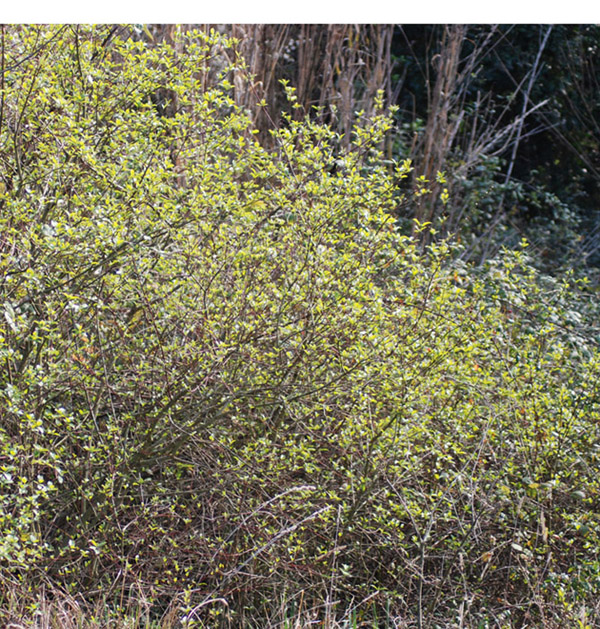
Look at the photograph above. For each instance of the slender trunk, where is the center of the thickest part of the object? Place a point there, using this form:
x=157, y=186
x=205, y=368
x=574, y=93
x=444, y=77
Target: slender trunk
x=439, y=130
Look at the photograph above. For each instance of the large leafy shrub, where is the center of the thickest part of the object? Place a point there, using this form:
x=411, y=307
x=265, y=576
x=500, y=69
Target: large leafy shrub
x=231, y=387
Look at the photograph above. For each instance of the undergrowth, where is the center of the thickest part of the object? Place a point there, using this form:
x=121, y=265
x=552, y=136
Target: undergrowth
x=235, y=394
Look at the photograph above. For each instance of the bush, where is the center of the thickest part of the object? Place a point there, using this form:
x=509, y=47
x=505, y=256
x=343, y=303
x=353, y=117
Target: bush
x=234, y=390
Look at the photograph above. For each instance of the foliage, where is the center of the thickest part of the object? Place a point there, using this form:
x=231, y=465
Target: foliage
x=235, y=391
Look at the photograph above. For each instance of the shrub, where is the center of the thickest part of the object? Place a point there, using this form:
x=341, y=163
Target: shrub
x=229, y=379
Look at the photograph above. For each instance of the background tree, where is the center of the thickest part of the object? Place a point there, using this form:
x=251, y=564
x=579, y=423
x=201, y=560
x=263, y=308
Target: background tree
x=507, y=112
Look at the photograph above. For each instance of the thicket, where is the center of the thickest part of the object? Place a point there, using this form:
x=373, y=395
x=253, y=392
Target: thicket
x=235, y=393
